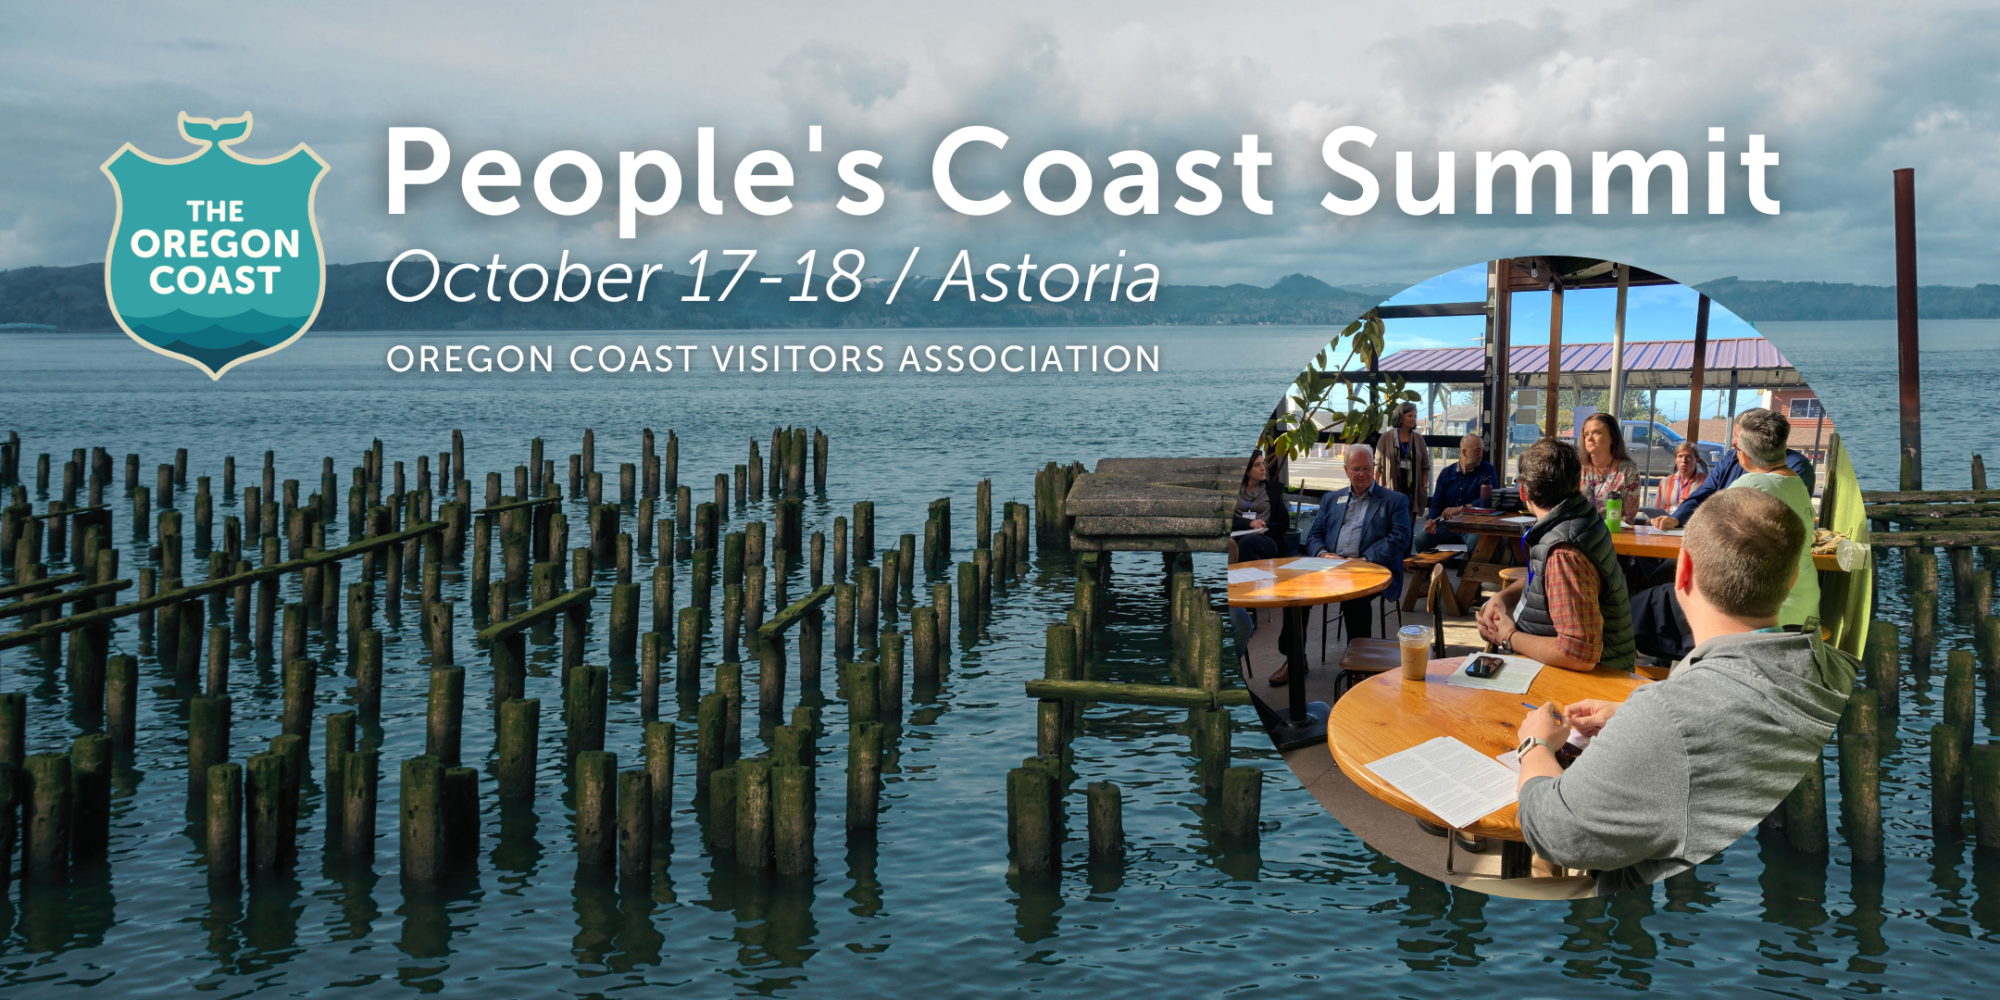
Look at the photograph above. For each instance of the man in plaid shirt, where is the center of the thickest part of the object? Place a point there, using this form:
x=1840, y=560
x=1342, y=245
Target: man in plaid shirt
x=1573, y=611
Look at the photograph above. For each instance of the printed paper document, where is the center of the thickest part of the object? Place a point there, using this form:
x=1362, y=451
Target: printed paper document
x=1451, y=779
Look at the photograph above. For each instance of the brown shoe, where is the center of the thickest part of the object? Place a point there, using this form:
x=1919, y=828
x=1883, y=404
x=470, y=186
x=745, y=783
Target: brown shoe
x=1281, y=677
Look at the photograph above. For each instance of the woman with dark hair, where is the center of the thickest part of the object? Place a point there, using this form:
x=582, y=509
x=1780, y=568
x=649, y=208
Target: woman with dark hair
x=1607, y=467
x=1403, y=460
x=1259, y=513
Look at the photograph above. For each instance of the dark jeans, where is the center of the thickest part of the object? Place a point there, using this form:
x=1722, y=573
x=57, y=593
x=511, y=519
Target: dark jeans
x=1257, y=546
x=1659, y=630
x=1359, y=617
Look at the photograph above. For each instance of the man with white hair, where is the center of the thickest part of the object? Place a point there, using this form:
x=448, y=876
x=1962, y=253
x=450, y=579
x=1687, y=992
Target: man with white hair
x=1364, y=521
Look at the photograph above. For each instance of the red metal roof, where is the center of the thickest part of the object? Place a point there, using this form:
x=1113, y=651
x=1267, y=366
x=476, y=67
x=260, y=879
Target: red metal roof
x=1746, y=353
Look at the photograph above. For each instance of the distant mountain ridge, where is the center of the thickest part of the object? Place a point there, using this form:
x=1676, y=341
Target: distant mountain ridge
x=72, y=298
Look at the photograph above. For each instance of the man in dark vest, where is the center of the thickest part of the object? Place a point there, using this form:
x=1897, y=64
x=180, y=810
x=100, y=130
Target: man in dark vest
x=1573, y=611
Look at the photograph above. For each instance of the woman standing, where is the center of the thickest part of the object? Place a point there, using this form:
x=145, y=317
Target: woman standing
x=1403, y=460
x=1607, y=467
x=1675, y=488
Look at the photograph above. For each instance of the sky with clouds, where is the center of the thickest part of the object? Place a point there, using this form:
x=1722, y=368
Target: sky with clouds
x=1844, y=92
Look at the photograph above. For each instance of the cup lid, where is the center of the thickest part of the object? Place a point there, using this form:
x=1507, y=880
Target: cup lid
x=1414, y=630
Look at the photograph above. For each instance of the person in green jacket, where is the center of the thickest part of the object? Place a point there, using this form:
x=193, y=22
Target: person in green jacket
x=1760, y=448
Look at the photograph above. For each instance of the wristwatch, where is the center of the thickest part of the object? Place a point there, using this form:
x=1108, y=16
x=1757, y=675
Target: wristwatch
x=1521, y=752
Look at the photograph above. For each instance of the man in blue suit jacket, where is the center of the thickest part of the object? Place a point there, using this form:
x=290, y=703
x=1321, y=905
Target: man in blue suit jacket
x=1365, y=521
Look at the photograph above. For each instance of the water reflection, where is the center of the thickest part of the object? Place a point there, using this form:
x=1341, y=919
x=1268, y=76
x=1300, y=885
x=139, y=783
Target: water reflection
x=1612, y=928
x=1863, y=921
x=1450, y=921
x=54, y=917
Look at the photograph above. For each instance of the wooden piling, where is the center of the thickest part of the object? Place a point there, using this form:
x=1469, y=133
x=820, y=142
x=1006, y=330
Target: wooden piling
x=1031, y=821
x=1241, y=802
x=732, y=621
x=90, y=795
x=889, y=702
x=422, y=795
x=792, y=818
x=445, y=714
x=843, y=622
x=968, y=599
x=1106, y=821
x=1983, y=788
x=839, y=549
x=1881, y=664
x=584, y=706
x=687, y=670
x=208, y=741
x=753, y=813
x=121, y=700
x=1860, y=778
x=360, y=779
x=301, y=681
x=1947, y=782
x=658, y=752
x=1805, y=811
x=223, y=842
x=624, y=639
x=867, y=605
x=923, y=644
x=864, y=774
x=46, y=816
x=722, y=812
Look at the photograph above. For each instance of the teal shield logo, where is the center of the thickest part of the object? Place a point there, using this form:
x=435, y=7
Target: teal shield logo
x=215, y=258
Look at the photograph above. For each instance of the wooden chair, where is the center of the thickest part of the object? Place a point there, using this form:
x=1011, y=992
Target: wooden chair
x=1427, y=569
x=1365, y=658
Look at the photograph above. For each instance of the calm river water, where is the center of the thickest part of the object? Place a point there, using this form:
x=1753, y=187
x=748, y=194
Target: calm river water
x=929, y=908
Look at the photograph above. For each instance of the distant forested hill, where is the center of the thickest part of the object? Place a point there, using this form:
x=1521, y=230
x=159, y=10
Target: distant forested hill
x=72, y=298
x=1821, y=300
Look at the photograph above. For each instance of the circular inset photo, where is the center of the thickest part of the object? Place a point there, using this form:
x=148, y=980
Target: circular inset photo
x=1550, y=577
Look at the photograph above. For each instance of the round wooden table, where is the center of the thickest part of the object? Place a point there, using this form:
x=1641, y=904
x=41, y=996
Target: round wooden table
x=1297, y=592
x=1382, y=715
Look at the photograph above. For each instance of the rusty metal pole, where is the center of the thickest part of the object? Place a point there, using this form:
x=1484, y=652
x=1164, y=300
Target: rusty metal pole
x=1908, y=395
x=1700, y=369
x=1553, y=383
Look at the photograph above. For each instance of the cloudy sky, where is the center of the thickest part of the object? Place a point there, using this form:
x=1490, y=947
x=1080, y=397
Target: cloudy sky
x=1844, y=92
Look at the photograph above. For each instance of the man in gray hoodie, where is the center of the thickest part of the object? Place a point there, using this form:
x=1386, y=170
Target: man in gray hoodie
x=1685, y=766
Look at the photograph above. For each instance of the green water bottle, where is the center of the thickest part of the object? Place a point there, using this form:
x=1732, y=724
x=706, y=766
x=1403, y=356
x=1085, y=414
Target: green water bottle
x=1614, y=511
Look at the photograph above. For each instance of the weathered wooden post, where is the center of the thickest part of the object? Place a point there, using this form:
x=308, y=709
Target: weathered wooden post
x=635, y=823
x=1881, y=668
x=223, y=841
x=1860, y=778
x=596, y=808
x=90, y=790
x=1947, y=782
x=658, y=745
x=1805, y=811
x=422, y=796
x=360, y=779
x=584, y=708
x=1031, y=826
x=208, y=741
x=864, y=774
x=1983, y=787
x=1241, y=803
x=445, y=715
x=1106, y=821
x=121, y=701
